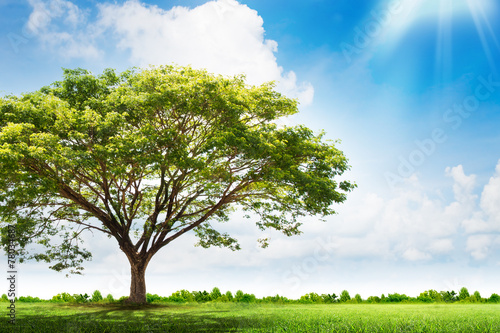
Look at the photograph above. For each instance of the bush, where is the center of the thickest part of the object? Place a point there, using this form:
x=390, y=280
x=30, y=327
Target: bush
x=245, y=298
x=464, y=294
x=344, y=296
x=201, y=296
x=215, y=294
x=396, y=298
x=494, y=298
x=430, y=296
x=176, y=297
x=29, y=299
x=63, y=297
x=448, y=296
x=358, y=299
x=327, y=298
x=96, y=296
x=151, y=298
x=110, y=298
x=79, y=298
x=123, y=299
x=275, y=299
x=311, y=298
x=4, y=298
x=229, y=295
x=373, y=299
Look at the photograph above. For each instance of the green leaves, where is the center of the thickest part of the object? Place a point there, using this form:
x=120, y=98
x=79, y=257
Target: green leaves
x=156, y=153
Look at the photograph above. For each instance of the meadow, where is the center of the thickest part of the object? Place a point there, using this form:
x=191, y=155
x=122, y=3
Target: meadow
x=253, y=317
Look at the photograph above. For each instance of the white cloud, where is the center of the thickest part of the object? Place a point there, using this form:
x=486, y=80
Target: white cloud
x=464, y=185
x=441, y=246
x=487, y=218
x=61, y=27
x=222, y=36
x=415, y=225
x=479, y=246
x=413, y=254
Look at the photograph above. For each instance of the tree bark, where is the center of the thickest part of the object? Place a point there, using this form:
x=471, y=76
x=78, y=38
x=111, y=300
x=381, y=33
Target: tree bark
x=137, y=282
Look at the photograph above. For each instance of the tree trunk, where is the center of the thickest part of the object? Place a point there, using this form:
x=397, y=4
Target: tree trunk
x=137, y=283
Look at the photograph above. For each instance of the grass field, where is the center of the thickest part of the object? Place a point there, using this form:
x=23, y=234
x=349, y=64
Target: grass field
x=231, y=317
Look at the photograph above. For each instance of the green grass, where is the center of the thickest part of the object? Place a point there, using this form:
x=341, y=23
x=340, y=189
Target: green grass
x=231, y=317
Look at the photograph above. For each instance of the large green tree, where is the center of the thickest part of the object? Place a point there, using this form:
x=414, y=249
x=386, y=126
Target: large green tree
x=146, y=156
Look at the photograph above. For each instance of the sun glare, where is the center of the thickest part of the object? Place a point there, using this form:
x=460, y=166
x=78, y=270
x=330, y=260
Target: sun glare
x=446, y=15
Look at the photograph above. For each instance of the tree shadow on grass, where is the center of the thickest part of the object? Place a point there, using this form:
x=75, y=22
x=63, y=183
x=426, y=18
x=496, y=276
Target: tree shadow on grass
x=130, y=318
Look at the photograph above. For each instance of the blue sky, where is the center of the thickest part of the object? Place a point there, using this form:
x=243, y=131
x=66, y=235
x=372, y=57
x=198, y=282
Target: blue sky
x=411, y=87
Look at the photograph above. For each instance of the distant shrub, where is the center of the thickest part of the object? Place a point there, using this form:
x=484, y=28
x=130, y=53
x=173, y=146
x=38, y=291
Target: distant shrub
x=4, y=298
x=110, y=298
x=396, y=298
x=96, y=296
x=476, y=298
x=448, y=296
x=63, y=297
x=229, y=295
x=344, y=296
x=430, y=296
x=311, y=298
x=327, y=298
x=243, y=297
x=463, y=294
x=150, y=298
x=201, y=296
x=357, y=298
x=176, y=297
x=215, y=294
x=29, y=299
x=79, y=298
x=494, y=298
x=373, y=299
x=239, y=295
x=123, y=299
x=275, y=299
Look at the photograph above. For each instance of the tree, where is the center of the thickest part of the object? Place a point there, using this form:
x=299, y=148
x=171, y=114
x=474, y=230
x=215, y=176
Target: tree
x=494, y=298
x=148, y=155
x=344, y=296
x=463, y=294
x=96, y=296
x=448, y=296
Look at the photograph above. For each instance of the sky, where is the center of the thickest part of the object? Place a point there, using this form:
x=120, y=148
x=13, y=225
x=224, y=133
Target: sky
x=410, y=87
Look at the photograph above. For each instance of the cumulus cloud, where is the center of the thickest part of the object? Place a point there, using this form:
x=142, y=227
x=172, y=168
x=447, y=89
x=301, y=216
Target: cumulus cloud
x=415, y=225
x=487, y=217
x=222, y=36
x=61, y=27
x=479, y=246
x=413, y=254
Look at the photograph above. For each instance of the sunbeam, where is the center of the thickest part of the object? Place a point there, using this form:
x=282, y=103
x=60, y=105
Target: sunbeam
x=481, y=21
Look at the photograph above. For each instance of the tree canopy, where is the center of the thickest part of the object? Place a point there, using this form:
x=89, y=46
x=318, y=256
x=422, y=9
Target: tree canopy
x=147, y=155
